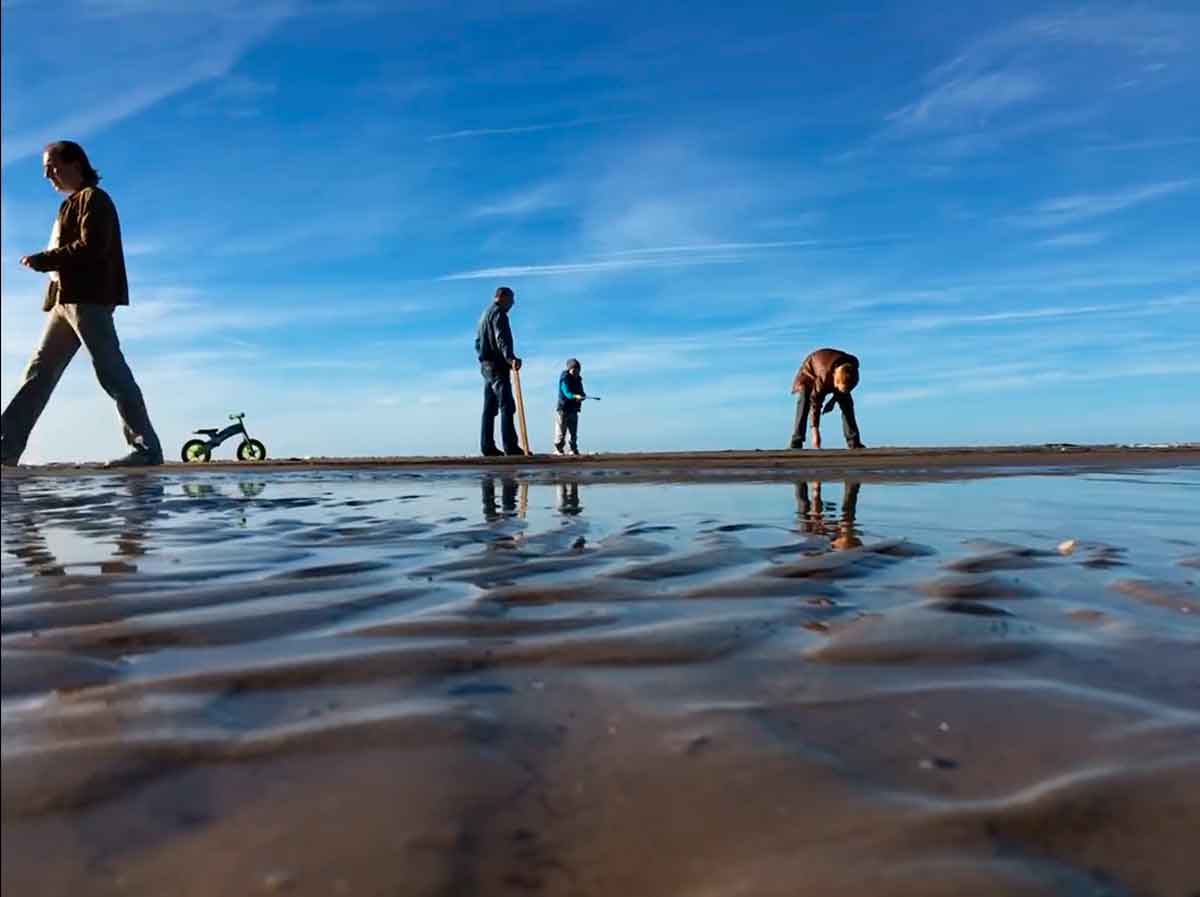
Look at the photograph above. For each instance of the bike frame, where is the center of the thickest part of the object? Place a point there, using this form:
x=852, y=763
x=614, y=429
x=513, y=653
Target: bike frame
x=215, y=439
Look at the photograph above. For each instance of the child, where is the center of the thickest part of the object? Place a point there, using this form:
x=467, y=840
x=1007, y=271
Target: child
x=570, y=399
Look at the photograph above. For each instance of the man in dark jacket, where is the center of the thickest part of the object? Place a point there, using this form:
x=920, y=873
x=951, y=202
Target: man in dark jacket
x=570, y=400
x=825, y=372
x=494, y=347
x=87, y=282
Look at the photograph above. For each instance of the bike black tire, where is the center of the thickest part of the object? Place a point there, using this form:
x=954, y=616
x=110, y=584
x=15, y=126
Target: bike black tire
x=195, y=451
x=251, y=450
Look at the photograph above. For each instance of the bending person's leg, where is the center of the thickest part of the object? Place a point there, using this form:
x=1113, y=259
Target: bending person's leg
x=849, y=424
x=58, y=346
x=96, y=330
x=800, y=426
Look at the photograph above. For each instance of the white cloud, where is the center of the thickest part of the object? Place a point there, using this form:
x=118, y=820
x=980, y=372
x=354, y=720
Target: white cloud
x=1065, y=210
x=568, y=268
x=967, y=100
x=519, y=129
x=1068, y=241
x=719, y=247
x=1031, y=380
x=1142, y=32
x=1147, y=307
x=523, y=202
x=164, y=49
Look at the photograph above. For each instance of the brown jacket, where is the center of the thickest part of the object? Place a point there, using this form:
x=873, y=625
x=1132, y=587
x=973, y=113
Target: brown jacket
x=89, y=259
x=816, y=373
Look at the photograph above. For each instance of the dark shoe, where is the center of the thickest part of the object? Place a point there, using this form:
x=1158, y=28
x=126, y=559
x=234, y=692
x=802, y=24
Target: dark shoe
x=517, y=452
x=855, y=446
x=492, y=452
x=139, y=457
x=795, y=446
x=8, y=462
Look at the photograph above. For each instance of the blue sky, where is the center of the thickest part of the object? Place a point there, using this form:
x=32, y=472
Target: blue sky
x=994, y=206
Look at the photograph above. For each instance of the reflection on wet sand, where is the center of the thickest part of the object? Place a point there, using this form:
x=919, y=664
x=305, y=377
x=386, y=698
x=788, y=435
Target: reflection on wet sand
x=135, y=502
x=353, y=684
x=811, y=512
x=514, y=497
x=568, y=498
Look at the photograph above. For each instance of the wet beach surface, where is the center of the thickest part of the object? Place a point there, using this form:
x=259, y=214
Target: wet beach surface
x=520, y=681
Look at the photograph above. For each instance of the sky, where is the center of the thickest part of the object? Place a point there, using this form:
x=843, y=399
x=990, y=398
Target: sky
x=994, y=206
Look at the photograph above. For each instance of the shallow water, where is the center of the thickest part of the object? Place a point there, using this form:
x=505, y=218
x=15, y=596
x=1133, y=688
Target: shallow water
x=371, y=682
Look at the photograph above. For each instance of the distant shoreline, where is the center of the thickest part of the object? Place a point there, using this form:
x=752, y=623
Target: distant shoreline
x=924, y=462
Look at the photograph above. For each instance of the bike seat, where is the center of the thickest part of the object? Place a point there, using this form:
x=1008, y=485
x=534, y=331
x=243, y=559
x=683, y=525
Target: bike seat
x=211, y=432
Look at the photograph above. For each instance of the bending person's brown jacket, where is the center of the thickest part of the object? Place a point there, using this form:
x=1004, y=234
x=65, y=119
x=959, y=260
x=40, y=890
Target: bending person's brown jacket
x=814, y=382
x=89, y=259
x=815, y=375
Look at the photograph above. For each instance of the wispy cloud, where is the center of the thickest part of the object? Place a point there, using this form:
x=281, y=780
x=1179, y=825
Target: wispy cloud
x=1149, y=307
x=1151, y=144
x=524, y=202
x=204, y=42
x=1031, y=379
x=1144, y=32
x=967, y=100
x=467, y=133
x=718, y=247
x=566, y=268
x=1068, y=241
x=680, y=255
x=1038, y=74
x=1069, y=209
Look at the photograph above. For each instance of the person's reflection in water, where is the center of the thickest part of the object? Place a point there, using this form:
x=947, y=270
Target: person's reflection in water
x=23, y=538
x=810, y=510
x=568, y=498
x=143, y=506
x=508, y=497
x=134, y=512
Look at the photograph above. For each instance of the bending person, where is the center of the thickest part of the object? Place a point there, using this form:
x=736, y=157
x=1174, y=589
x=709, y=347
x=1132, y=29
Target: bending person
x=825, y=373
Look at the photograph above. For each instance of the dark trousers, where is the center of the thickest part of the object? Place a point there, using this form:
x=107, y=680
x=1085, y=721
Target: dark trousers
x=849, y=424
x=497, y=399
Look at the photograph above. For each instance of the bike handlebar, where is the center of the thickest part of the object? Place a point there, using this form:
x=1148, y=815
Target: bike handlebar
x=238, y=416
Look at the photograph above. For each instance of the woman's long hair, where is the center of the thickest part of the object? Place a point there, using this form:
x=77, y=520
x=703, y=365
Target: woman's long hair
x=70, y=151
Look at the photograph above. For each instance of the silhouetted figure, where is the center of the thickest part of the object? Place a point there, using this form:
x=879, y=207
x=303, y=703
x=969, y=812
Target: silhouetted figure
x=825, y=373
x=494, y=346
x=87, y=282
x=570, y=401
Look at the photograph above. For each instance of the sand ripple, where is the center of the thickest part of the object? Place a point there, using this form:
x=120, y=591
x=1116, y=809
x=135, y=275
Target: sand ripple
x=371, y=683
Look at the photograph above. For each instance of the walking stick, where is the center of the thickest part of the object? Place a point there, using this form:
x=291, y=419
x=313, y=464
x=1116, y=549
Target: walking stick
x=516, y=383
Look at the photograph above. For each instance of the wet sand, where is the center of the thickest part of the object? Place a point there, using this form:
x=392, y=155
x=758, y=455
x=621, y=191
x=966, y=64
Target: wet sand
x=927, y=461
x=598, y=678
